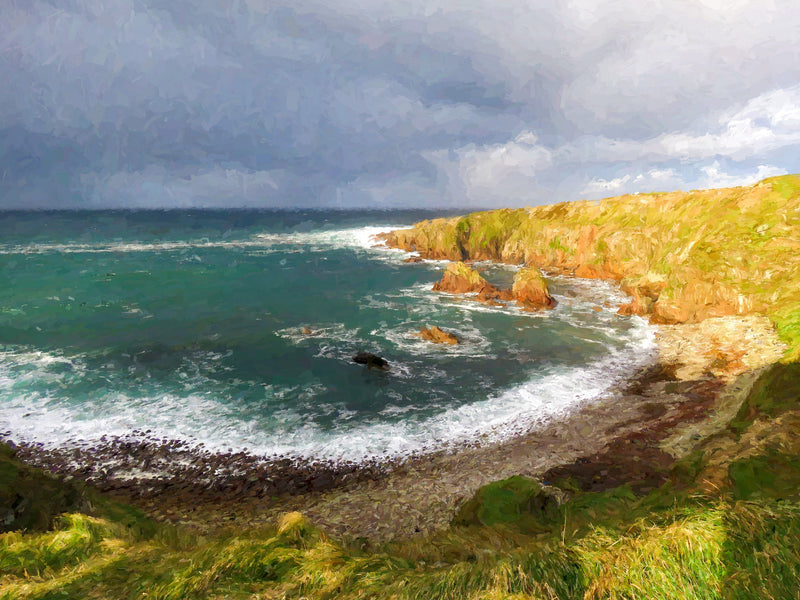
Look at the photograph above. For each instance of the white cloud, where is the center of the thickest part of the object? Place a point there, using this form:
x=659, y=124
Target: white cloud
x=496, y=172
x=716, y=178
x=768, y=122
x=606, y=185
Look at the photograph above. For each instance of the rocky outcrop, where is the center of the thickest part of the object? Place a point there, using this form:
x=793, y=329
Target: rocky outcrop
x=682, y=256
x=461, y=279
x=458, y=278
x=530, y=290
x=490, y=295
x=372, y=361
x=437, y=336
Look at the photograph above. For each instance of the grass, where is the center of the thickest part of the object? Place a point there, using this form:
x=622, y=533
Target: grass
x=625, y=547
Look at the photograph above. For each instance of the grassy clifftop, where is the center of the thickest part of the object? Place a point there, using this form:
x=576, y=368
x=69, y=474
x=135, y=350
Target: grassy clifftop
x=514, y=540
x=684, y=256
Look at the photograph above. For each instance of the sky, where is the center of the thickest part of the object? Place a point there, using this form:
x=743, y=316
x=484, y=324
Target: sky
x=386, y=104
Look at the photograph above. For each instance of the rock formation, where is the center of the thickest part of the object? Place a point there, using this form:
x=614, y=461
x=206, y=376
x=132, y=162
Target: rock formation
x=373, y=361
x=437, y=336
x=458, y=278
x=530, y=290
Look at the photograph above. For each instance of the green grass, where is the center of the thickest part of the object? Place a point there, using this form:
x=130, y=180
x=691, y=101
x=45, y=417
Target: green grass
x=627, y=547
x=776, y=391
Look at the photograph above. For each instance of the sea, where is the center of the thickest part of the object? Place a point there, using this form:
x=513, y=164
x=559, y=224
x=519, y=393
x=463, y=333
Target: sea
x=236, y=331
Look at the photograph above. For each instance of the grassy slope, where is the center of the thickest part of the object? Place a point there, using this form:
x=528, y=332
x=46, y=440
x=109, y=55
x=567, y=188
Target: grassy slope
x=719, y=529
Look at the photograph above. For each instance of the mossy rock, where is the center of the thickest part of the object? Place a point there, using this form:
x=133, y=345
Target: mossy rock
x=773, y=475
x=459, y=278
x=516, y=500
x=30, y=498
x=774, y=392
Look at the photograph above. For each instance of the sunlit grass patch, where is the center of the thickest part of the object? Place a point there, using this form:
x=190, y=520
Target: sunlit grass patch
x=682, y=559
x=75, y=538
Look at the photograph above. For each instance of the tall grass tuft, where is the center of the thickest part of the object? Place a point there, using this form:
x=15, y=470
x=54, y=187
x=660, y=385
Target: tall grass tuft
x=681, y=559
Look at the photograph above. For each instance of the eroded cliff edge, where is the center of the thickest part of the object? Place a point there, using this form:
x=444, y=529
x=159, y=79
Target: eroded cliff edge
x=682, y=256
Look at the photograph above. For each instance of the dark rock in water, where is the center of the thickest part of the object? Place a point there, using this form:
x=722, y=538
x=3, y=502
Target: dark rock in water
x=413, y=259
x=373, y=361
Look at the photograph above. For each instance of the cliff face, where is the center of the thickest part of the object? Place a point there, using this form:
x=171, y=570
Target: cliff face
x=683, y=256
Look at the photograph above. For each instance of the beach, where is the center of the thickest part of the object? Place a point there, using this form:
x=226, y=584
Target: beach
x=633, y=436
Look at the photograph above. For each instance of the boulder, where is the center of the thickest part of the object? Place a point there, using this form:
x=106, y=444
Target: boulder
x=530, y=290
x=458, y=278
x=490, y=294
x=437, y=336
x=373, y=361
x=639, y=305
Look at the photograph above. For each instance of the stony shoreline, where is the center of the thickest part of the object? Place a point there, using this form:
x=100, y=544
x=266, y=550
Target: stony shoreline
x=632, y=436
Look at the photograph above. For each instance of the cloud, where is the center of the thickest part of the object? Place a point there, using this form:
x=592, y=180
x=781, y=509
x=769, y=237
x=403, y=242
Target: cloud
x=766, y=123
x=502, y=171
x=653, y=178
x=460, y=103
x=714, y=177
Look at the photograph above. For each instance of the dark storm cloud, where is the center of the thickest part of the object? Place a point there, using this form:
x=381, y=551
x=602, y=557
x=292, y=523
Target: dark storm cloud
x=156, y=103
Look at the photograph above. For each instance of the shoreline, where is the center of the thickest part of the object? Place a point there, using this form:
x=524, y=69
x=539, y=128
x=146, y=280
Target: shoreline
x=631, y=435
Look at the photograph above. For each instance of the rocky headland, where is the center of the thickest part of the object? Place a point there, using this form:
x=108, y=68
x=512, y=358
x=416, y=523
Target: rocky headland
x=682, y=256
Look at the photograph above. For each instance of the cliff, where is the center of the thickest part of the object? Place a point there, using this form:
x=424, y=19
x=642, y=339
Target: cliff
x=683, y=256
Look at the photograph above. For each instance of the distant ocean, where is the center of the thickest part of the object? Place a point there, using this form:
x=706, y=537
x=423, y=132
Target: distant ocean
x=194, y=326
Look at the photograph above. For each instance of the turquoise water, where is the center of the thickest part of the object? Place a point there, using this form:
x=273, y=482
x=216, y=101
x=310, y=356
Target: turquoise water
x=193, y=326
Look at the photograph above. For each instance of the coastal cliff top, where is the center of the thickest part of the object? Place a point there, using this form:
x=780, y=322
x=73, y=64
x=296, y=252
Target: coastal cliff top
x=686, y=256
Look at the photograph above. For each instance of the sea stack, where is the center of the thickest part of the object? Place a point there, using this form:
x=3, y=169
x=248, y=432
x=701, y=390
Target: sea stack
x=530, y=290
x=460, y=279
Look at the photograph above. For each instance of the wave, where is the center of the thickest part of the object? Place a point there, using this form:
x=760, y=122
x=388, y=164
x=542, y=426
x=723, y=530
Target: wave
x=353, y=237
x=199, y=418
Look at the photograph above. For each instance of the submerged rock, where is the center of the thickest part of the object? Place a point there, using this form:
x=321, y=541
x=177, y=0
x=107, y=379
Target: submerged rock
x=373, y=361
x=413, y=259
x=530, y=290
x=437, y=336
